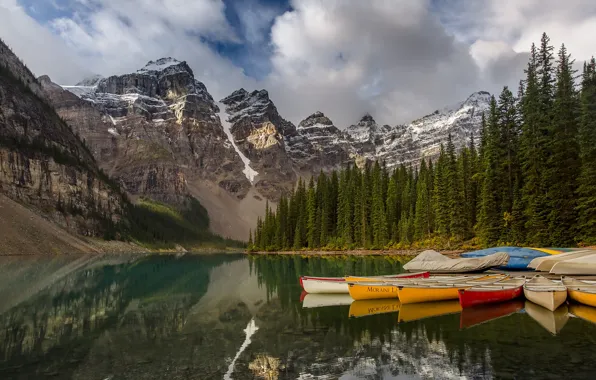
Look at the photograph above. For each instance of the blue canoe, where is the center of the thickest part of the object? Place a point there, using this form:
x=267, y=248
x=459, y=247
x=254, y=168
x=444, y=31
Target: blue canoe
x=519, y=257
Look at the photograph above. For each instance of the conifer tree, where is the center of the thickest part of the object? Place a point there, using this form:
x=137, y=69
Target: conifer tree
x=422, y=217
x=508, y=148
x=563, y=165
x=249, y=245
x=311, y=210
x=489, y=218
x=379, y=221
x=391, y=208
x=455, y=201
x=532, y=154
x=586, y=206
x=440, y=195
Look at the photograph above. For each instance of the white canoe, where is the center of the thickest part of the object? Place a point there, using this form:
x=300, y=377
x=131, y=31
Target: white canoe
x=545, y=292
x=584, y=265
x=552, y=321
x=322, y=300
x=324, y=286
x=546, y=263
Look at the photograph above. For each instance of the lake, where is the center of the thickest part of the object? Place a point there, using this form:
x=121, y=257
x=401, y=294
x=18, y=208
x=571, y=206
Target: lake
x=238, y=317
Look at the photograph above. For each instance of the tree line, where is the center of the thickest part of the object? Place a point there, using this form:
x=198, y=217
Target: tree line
x=530, y=180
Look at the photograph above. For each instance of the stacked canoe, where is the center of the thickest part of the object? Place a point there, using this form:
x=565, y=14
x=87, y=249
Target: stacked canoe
x=519, y=257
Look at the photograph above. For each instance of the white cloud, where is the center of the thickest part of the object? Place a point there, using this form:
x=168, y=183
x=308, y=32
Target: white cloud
x=397, y=59
x=330, y=53
x=42, y=51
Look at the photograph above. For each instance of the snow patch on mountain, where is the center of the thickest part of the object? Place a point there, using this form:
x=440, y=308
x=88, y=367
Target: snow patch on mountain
x=80, y=91
x=159, y=65
x=249, y=172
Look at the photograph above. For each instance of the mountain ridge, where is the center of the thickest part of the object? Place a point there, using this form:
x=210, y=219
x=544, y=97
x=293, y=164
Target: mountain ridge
x=161, y=134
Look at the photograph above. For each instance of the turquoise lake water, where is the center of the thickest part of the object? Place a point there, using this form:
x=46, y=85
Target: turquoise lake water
x=238, y=317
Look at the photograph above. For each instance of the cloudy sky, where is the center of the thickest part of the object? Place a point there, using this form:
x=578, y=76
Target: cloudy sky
x=396, y=59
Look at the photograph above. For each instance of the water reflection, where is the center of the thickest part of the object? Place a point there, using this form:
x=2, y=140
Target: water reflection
x=222, y=316
x=383, y=339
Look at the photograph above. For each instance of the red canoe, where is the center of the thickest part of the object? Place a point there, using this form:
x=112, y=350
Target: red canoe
x=501, y=291
x=341, y=279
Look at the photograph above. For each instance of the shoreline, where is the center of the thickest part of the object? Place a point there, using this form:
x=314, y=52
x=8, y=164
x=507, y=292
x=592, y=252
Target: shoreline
x=360, y=252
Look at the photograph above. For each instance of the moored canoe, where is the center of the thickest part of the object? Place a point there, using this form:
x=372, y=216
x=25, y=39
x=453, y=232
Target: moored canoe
x=386, y=278
x=519, y=257
x=552, y=321
x=389, y=289
x=440, y=291
x=323, y=300
x=584, y=265
x=371, y=290
x=546, y=263
x=501, y=291
x=313, y=284
x=580, y=291
x=434, y=262
x=324, y=286
x=545, y=292
x=371, y=307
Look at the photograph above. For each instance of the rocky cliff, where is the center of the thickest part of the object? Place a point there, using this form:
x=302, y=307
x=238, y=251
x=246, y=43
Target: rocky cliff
x=155, y=130
x=43, y=164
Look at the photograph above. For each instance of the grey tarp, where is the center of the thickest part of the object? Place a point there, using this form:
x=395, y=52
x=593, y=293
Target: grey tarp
x=433, y=261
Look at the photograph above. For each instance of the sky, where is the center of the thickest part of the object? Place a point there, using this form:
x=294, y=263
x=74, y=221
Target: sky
x=395, y=59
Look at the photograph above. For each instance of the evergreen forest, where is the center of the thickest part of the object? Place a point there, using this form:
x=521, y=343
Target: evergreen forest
x=529, y=178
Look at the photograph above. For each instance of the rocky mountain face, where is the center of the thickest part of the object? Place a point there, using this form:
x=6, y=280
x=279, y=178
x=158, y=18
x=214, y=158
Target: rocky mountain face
x=43, y=164
x=155, y=130
x=258, y=132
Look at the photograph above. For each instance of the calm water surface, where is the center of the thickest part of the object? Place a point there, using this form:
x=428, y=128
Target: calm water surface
x=233, y=317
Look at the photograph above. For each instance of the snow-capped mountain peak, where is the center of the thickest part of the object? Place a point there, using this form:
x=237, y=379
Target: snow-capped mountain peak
x=90, y=81
x=316, y=120
x=159, y=65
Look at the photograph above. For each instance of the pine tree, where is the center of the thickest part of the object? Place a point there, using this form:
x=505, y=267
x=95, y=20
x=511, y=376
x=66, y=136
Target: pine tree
x=474, y=186
x=391, y=207
x=379, y=221
x=312, y=235
x=532, y=152
x=563, y=165
x=440, y=195
x=489, y=218
x=455, y=200
x=422, y=217
x=249, y=245
x=508, y=141
x=586, y=205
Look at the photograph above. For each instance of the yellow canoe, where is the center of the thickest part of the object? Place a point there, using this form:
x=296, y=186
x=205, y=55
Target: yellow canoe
x=371, y=307
x=550, y=251
x=421, y=292
x=413, y=312
x=580, y=291
x=370, y=291
x=584, y=312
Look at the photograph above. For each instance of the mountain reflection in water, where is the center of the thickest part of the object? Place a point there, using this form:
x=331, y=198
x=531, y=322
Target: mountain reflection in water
x=206, y=317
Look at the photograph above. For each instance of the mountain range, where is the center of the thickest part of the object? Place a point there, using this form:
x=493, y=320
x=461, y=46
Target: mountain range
x=159, y=133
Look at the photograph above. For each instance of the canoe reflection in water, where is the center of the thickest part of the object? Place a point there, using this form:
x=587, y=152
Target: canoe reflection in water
x=417, y=311
x=371, y=307
x=473, y=316
x=552, y=321
x=587, y=313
